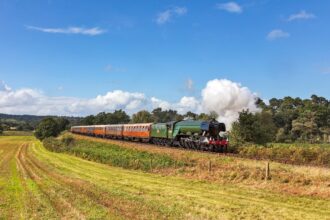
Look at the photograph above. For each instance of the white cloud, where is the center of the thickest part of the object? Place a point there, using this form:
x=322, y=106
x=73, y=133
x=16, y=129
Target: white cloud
x=227, y=98
x=4, y=86
x=185, y=104
x=158, y=103
x=166, y=16
x=231, y=7
x=301, y=15
x=70, y=30
x=31, y=101
x=223, y=96
x=188, y=104
x=277, y=33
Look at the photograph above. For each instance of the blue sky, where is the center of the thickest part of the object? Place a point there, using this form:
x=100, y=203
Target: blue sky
x=165, y=49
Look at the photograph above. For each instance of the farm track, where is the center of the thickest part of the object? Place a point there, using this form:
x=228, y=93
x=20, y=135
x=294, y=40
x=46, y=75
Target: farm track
x=38, y=184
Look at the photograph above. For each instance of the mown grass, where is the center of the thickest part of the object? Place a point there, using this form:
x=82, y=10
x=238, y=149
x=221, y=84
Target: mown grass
x=39, y=184
x=180, y=198
x=17, y=133
x=223, y=169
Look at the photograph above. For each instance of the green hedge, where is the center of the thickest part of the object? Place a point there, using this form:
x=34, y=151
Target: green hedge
x=113, y=155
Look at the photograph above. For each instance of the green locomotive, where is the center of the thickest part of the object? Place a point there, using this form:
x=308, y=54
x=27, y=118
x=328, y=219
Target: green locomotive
x=199, y=135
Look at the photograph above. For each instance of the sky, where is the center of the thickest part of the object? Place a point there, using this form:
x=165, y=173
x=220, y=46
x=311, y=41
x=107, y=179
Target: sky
x=80, y=57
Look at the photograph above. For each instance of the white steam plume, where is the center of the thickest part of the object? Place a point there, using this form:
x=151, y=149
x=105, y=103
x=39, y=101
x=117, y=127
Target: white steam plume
x=227, y=98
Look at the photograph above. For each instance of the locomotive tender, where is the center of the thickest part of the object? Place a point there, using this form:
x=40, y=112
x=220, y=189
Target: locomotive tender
x=191, y=134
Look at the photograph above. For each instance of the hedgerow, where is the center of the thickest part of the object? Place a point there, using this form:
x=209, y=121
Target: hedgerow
x=314, y=155
x=111, y=154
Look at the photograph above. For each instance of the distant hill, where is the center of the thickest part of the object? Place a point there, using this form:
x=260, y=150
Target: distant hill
x=29, y=122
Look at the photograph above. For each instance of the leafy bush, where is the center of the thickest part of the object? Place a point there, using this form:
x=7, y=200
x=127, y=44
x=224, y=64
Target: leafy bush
x=51, y=127
x=48, y=127
x=58, y=145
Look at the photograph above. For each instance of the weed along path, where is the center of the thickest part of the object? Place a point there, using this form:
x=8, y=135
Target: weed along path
x=38, y=184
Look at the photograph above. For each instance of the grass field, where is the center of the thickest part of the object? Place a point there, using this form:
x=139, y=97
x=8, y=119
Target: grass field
x=17, y=133
x=38, y=184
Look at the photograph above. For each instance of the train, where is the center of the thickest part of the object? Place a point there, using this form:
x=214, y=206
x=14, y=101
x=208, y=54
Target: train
x=191, y=134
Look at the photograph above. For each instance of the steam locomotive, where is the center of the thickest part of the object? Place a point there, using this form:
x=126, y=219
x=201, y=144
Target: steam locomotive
x=191, y=134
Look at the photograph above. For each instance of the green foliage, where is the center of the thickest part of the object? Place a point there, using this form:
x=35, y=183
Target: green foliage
x=28, y=122
x=88, y=120
x=58, y=144
x=142, y=117
x=48, y=127
x=1, y=129
x=191, y=115
x=292, y=154
x=295, y=120
x=63, y=123
x=255, y=128
x=113, y=155
x=161, y=116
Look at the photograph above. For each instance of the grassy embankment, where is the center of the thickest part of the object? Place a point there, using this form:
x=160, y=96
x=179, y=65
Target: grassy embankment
x=219, y=168
x=36, y=183
x=295, y=153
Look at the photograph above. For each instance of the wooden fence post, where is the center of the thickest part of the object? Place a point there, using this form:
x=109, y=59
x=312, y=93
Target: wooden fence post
x=267, y=171
x=210, y=166
x=137, y=164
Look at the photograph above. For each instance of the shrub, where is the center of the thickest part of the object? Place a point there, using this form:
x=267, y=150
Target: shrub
x=48, y=127
x=58, y=145
x=113, y=155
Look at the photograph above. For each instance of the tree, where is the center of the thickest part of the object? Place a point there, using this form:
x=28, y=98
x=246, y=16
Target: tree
x=264, y=128
x=260, y=103
x=88, y=120
x=101, y=118
x=142, y=117
x=244, y=126
x=161, y=116
x=118, y=117
x=257, y=128
x=63, y=123
x=305, y=128
x=191, y=115
x=48, y=127
x=1, y=129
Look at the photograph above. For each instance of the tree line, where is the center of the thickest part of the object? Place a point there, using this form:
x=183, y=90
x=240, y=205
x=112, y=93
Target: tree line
x=285, y=120
x=156, y=116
